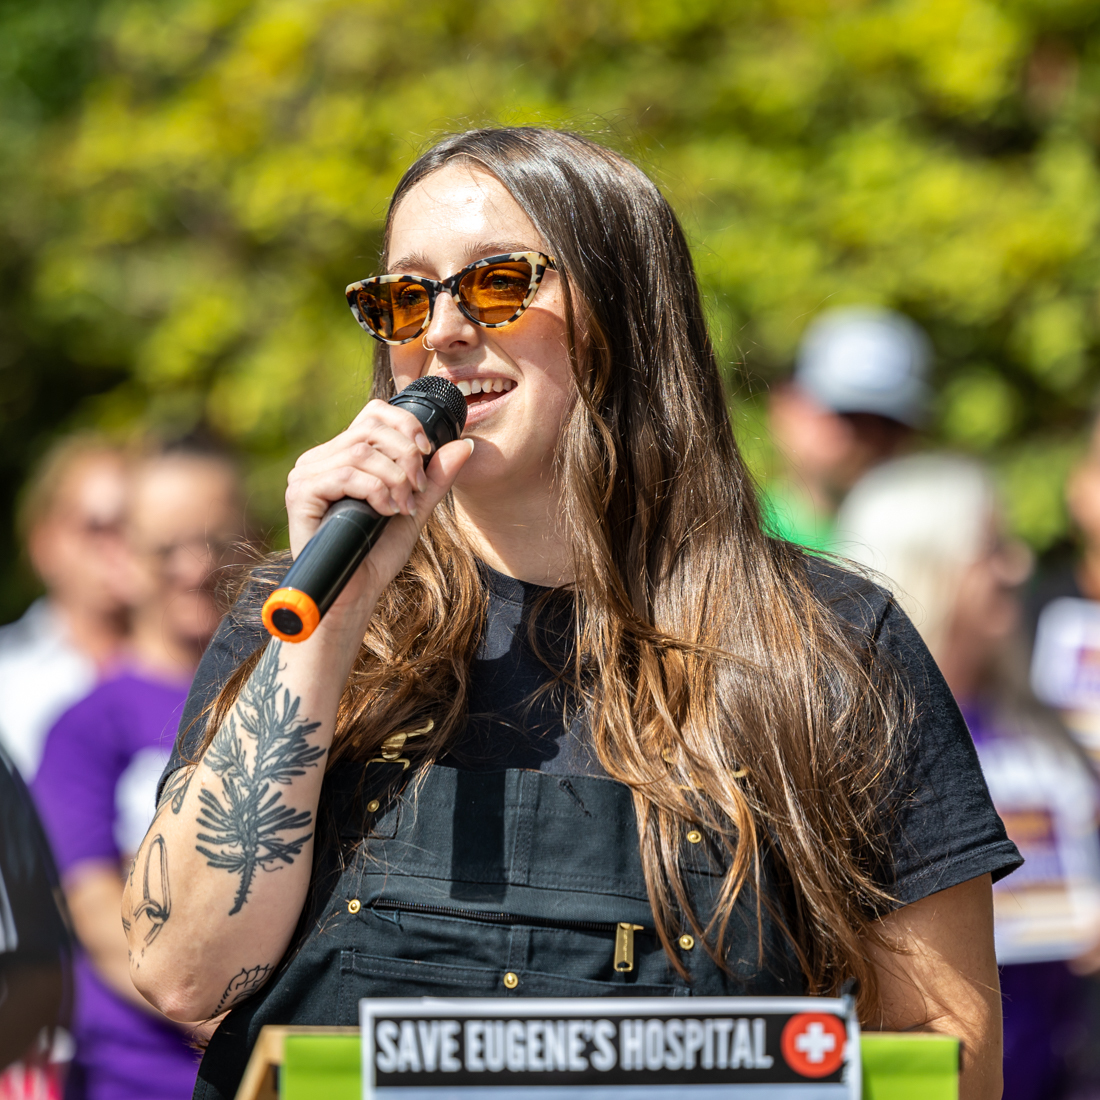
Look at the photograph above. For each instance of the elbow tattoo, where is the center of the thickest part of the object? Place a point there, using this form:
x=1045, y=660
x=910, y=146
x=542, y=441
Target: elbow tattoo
x=156, y=900
x=249, y=827
x=242, y=985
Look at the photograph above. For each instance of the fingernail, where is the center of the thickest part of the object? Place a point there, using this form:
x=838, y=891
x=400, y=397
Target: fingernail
x=423, y=444
x=421, y=481
x=471, y=442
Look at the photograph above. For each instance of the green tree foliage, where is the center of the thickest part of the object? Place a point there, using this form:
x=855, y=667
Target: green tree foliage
x=45, y=64
x=193, y=214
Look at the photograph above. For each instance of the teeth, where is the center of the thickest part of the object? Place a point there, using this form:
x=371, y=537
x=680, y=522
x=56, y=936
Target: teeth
x=485, y=385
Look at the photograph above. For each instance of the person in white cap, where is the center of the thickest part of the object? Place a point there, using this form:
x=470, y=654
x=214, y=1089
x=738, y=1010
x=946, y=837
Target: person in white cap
x=858, y=394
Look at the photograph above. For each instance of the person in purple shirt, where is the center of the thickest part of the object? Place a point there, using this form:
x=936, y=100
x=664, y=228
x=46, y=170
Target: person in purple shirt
x=96, y=784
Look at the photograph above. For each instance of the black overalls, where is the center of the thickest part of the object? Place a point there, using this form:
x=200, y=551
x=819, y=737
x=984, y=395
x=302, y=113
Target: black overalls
x=484, y=884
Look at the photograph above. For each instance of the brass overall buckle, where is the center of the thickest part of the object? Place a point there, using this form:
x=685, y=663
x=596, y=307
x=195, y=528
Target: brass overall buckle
x=392, y=746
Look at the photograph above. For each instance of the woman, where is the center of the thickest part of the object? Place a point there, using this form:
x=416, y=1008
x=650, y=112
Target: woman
x=933, y=525
x=618, y=699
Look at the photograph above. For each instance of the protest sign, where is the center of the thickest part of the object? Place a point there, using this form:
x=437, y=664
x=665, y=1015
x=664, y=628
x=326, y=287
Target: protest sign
x=611, y=1048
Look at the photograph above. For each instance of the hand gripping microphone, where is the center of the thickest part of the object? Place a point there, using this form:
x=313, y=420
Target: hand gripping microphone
x=351, y=527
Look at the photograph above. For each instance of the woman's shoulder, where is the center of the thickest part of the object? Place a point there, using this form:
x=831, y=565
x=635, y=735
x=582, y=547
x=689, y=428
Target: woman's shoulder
x=870, y=616
x=852, y=595
x=942, y=828
x=241, y=631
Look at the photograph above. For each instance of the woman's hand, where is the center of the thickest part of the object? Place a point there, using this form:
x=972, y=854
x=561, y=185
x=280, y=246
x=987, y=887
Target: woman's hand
x=378, y=459
x=939, y=973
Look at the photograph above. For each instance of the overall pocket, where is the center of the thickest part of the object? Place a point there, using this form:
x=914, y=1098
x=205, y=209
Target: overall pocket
x=408, y=949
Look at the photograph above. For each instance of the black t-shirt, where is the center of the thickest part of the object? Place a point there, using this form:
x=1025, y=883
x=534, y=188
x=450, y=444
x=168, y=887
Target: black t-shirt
x=945, y=830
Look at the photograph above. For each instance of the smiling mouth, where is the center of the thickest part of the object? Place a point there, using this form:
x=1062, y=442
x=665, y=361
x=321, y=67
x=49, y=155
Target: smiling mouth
x=477, y=391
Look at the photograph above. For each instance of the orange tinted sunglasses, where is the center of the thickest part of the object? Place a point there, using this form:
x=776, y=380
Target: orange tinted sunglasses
x=492, y=293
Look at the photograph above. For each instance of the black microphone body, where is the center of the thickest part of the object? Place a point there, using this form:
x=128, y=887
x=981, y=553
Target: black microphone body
x=351, y=527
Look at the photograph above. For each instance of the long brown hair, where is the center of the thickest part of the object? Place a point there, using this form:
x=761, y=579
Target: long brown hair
x=715, y=683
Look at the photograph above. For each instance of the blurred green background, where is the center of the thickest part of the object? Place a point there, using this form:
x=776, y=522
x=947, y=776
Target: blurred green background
x=187, y=185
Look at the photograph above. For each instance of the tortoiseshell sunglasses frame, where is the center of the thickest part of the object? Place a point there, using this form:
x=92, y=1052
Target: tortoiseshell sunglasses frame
x=539, y=262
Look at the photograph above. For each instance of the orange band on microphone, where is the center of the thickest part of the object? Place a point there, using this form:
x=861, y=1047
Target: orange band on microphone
x=290, y=614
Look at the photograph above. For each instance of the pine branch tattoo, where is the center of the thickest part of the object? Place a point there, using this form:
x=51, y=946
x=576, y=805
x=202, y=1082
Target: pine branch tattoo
x=251, y=827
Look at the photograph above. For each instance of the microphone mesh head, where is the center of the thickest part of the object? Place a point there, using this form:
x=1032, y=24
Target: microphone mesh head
x=446, y=394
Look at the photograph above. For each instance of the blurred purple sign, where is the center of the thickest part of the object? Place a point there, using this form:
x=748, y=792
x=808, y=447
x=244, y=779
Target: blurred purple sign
x=1065, y=669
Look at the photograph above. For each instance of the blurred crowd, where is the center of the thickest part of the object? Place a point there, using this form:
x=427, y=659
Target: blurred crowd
x=1017, y=641
x=129, y=547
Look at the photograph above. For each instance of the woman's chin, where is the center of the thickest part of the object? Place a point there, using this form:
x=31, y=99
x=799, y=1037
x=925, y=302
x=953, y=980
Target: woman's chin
x=490, y=474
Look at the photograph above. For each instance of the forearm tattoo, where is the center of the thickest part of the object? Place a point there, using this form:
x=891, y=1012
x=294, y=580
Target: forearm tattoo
x=242, y=985
x=250, y=827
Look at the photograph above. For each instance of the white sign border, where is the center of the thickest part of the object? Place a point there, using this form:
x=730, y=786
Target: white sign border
x=369, y=1008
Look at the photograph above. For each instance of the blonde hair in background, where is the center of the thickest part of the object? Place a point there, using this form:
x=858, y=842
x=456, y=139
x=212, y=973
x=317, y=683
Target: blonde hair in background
x=920, y=522
x=39, y=495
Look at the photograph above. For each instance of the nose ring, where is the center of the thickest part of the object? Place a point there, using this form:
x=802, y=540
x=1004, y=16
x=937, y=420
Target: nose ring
x=427, y=346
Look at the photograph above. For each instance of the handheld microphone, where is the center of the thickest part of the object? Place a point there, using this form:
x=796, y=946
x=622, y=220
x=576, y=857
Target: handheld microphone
x=351, y=527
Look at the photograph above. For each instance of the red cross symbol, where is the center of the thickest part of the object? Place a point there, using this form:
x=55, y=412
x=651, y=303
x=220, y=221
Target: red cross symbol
x=813, y=1043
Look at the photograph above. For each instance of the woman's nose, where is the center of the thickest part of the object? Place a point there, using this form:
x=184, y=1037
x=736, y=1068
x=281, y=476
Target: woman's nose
x=449, y=326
